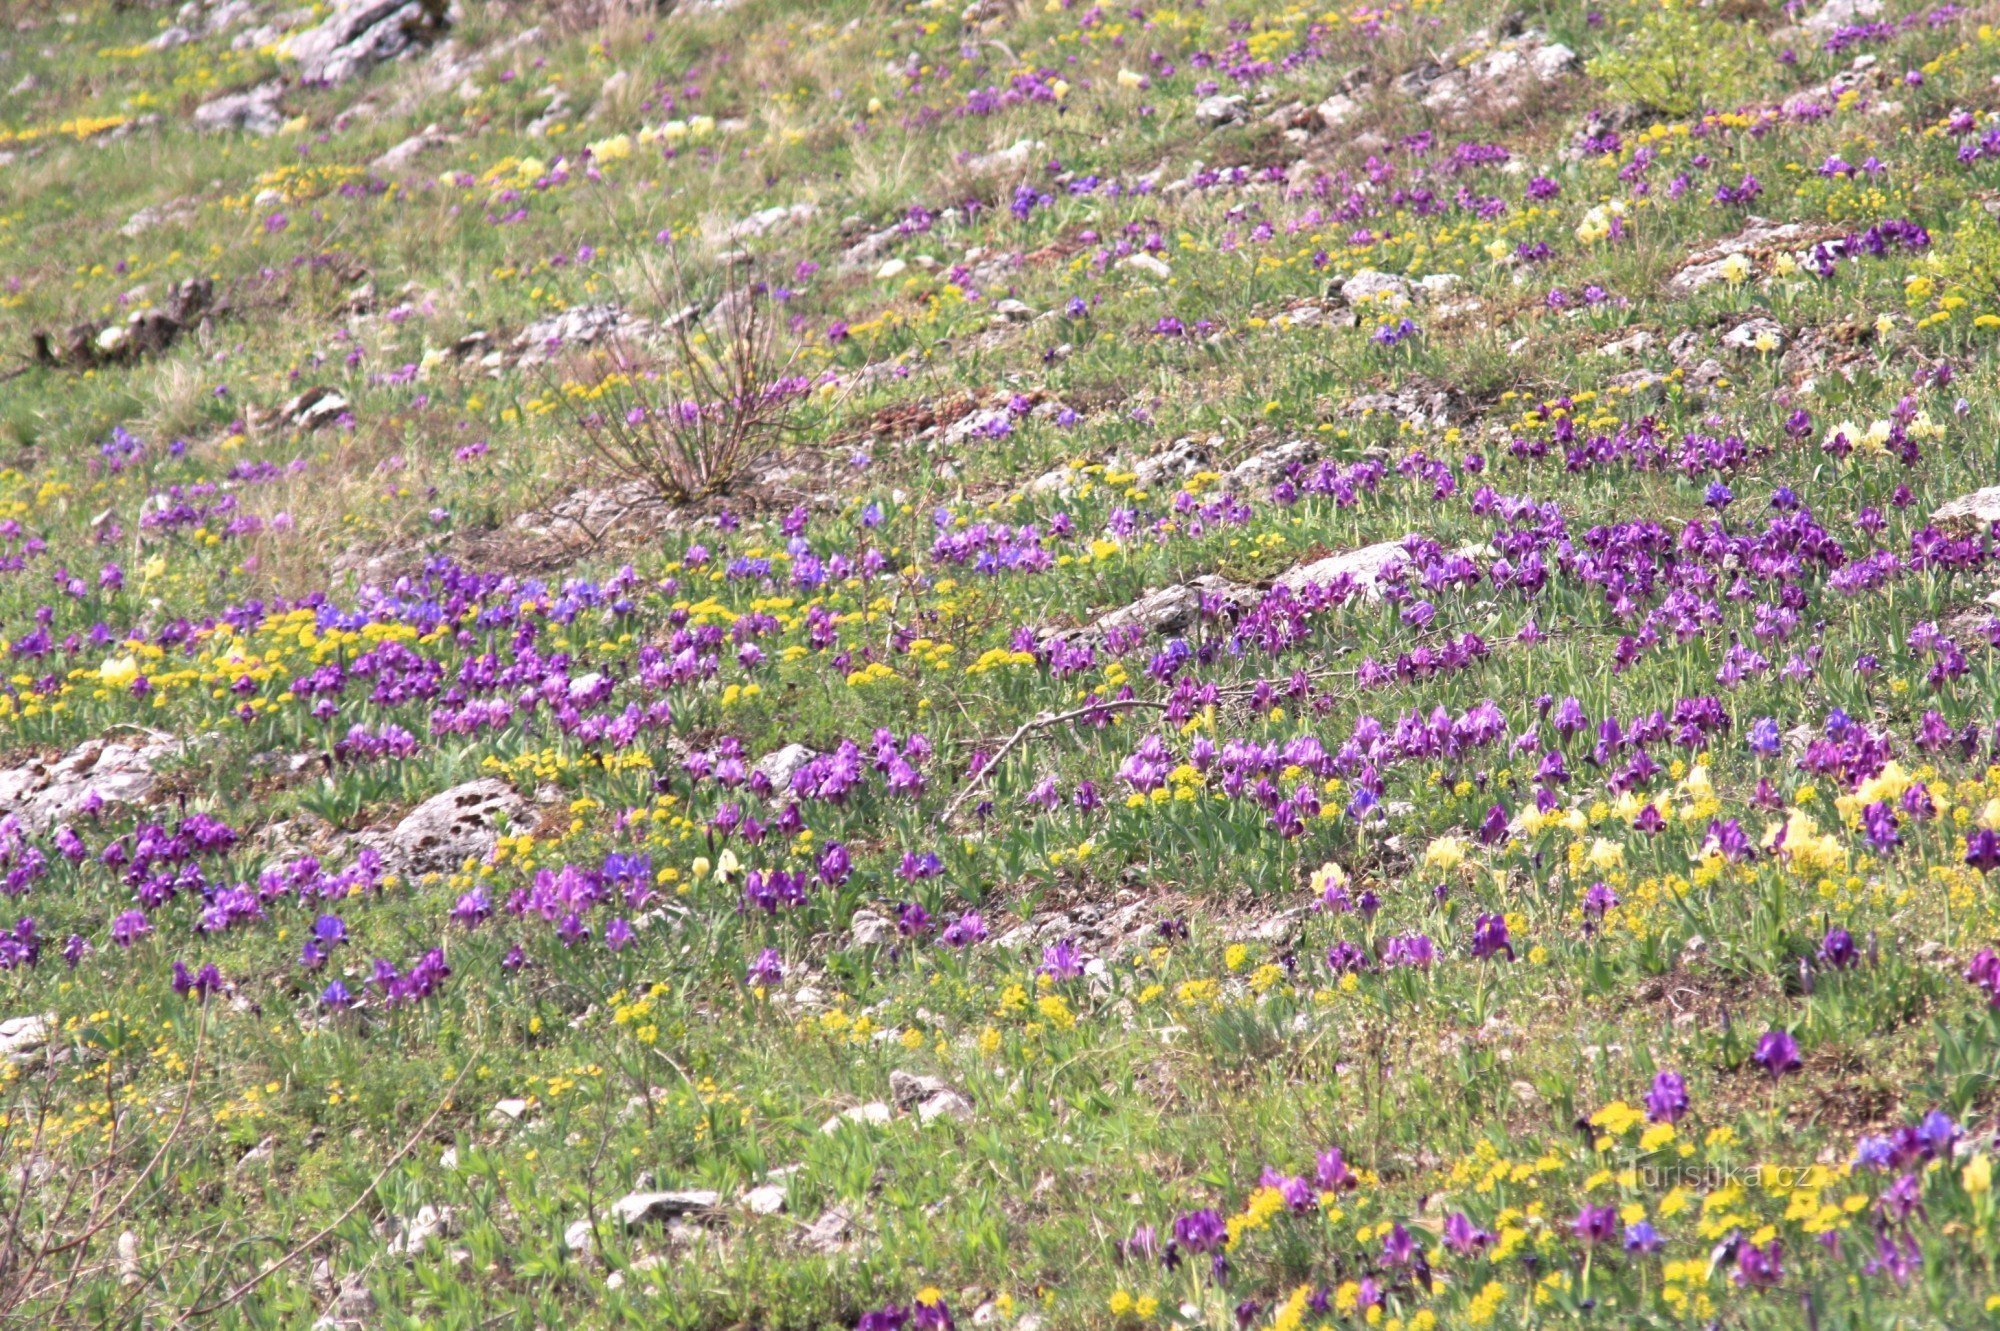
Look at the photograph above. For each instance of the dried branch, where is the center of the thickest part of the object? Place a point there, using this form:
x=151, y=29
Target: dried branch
x=312, y=1241
x=1040, y=722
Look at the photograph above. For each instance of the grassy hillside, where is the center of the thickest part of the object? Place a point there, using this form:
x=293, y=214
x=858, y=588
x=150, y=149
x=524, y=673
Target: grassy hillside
x=759, y=665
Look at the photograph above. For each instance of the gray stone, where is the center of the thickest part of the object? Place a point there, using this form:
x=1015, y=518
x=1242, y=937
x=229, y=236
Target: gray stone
x=779, y=765
x=768, y=221
x=637, y=1209
x=253, y=112
x=23, y=1040
x=259, y=1154
x=1178, y=461
x=1220, y=109
x=1970, y=514
x=1012, y=158
x=580, y=325
x=1367, y=566
x=1267, y=466
x=1372, y=288
x=43, y=794
x=1745, y=335
x=1631, y=344
x=628, y=508
x=945, y=1104
x=406, y=152
x=360, y=34
x=414, y=1232
x=765, y=1199
x=1488, y=78
x=869, y=929
x=1337, y=110
x=1709, y=266
x=829, y=1234
x=459, y=824
x=872, y=1114
x=1170, y=610
x=908, y=1089
x=353, y=1306
x=976, y=424
x=173, y=212
x=1840, y=14
x=1417, y=407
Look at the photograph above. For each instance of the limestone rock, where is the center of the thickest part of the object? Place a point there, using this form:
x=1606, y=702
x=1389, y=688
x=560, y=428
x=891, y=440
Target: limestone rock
x=830, y=1233
x=23, y=1040
x=1367, y=567
x=638, y=1209
x=580, y=325
x=44, y=794
x=1170, y=610
x=253, y=112
x=360, y=34
x=1748, y=335
x=908, y=1089
x=1488, y=78
x=1376, y=289
x=1337, y=110
x=945, y=1104
x=459, y=824
x=403, y=154
x=1220, y=109
x=1972, y=513
x=1015, y=157
x=869, y=929
x=873, y=1114
x=1269, y=465
x=768, y=221
x=779, y=765
x=414, y=1232
x=766, y=1199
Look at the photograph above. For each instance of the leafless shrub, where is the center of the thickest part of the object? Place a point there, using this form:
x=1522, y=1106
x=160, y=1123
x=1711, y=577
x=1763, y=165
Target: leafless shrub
x=61, y=1193
x=692, y=402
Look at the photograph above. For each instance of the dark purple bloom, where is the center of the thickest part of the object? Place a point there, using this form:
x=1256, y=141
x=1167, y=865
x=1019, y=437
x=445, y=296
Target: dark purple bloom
x=1062, y=960
x=1330, y=1171
x=1596, y=1224
x=1837, y=949
x=1399, y=1248
x=966, y=930
x=1462, y=1236
x=1777, y=1053
x=1760, y=1268
x=1598, y=899
x=1489, y=938
x=1200, y=1231
x=1667, y=1101
x=1413, y=949
x=767, y=971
